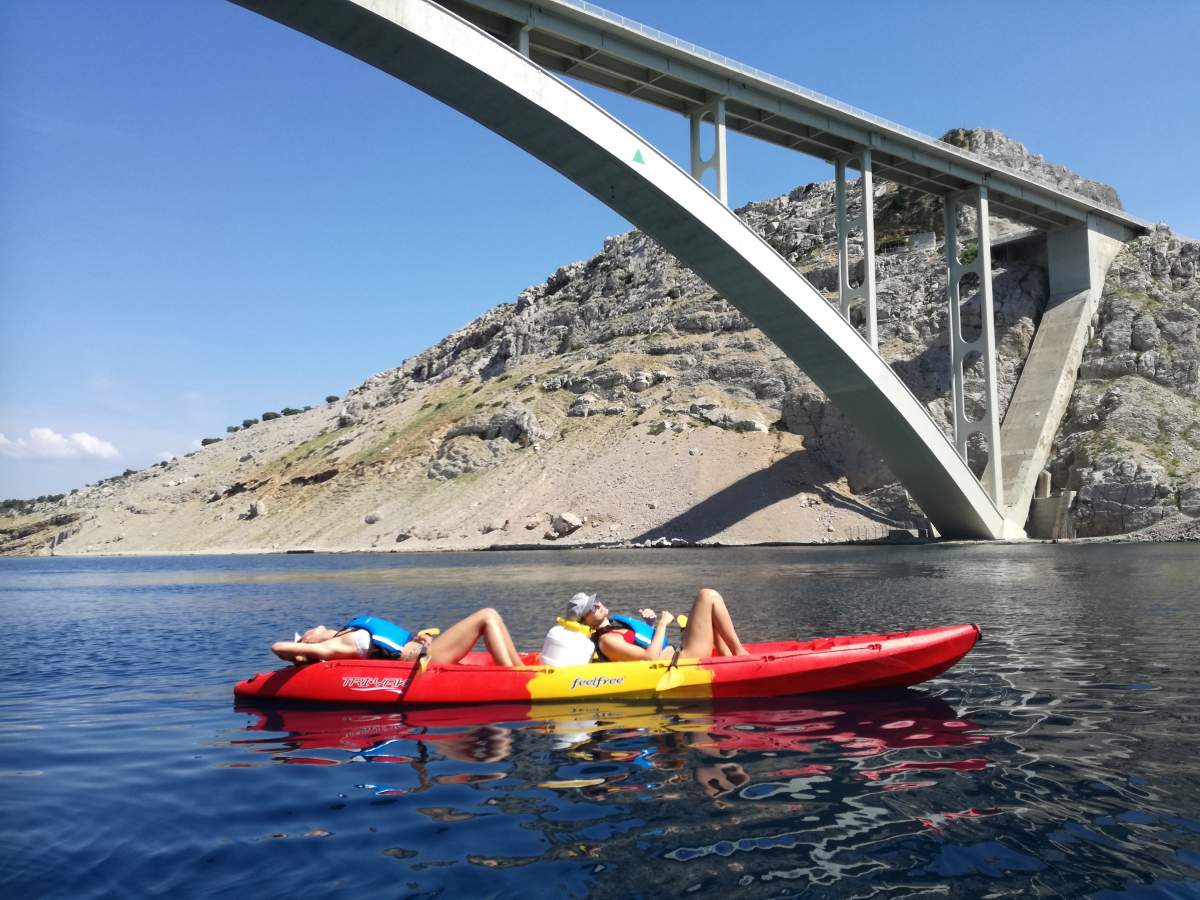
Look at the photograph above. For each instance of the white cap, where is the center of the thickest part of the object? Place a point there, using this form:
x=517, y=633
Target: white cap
x=580, y=605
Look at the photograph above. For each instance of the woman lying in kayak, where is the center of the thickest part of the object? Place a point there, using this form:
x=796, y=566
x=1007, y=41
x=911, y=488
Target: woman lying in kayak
x=709, y=630
x=368, y=637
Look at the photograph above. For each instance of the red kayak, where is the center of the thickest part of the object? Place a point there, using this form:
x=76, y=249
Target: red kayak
x=861, y=662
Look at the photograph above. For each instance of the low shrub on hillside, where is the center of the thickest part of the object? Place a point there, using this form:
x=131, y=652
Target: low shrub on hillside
x=17, y=507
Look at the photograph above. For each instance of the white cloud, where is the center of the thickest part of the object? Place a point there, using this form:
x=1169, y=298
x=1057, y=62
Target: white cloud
x=44, y=443
x=165, y=455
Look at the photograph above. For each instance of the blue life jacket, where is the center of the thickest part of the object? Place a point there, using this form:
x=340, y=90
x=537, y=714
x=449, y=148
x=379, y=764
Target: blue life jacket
x=643, y=632
x=385, y=635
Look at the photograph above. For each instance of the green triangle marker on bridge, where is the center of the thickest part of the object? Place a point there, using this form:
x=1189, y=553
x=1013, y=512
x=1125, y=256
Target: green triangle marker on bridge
x=637, y=157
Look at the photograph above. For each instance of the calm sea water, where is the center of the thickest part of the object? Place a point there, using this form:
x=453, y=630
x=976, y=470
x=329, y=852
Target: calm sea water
x=1059, y=759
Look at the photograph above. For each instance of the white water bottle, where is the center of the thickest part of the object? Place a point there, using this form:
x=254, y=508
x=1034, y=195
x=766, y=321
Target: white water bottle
x=566, y=647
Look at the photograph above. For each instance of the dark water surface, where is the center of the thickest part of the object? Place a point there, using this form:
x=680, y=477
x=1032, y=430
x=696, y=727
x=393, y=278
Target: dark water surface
x=1058, y=759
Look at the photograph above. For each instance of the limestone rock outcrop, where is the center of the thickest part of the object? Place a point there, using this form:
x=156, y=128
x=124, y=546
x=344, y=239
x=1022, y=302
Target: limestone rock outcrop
x=1130, y=443
x=562, y=524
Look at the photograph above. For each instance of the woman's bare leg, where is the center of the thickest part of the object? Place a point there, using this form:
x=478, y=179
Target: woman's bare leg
x=726, y=634
x=709, y=623
x=456, y=641
x=503, y=639
x=698, y=636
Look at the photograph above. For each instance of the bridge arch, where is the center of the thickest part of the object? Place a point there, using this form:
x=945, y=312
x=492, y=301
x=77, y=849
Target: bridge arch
x=446, y=57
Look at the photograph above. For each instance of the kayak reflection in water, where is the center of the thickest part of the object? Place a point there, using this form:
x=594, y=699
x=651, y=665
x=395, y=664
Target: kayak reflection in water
x=369, y=637
x=723, y=751
x=709, y=630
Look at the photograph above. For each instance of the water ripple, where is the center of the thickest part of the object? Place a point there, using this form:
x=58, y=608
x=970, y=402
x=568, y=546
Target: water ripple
x=1057, y=759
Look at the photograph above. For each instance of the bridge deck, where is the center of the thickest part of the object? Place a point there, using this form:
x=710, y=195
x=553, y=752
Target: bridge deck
x=596, y=46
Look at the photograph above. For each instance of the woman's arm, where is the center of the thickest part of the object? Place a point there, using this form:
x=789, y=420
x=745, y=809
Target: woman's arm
x=617, y=649
x=340, y=647
x=660, y=632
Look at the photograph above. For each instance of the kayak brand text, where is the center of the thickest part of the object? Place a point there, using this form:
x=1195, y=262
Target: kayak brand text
x=372, y=683
x=597, y=681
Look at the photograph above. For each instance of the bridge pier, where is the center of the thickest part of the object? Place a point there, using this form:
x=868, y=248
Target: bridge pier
x=1077, y=261
x=864, y=222
x=983, y=345
x=518, y=37
x=715, y=110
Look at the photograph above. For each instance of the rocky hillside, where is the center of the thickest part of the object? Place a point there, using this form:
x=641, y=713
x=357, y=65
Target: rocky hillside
x=1130, y=443
x=622, y=401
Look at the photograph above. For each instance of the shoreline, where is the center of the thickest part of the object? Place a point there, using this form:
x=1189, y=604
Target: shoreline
x=528, y=547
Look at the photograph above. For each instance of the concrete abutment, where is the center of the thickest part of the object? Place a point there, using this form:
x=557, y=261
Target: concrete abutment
x=1077, y=261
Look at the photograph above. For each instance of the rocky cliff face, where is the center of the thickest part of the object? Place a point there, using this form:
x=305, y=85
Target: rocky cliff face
x=1130, y=443
x=622, y=400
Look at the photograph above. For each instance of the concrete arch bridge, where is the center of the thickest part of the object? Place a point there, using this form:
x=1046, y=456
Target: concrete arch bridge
x=494, y=61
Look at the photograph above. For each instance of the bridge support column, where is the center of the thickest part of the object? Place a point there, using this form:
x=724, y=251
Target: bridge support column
x=864, y=291
x=518, y=37
x=963, y=352
x=1077, y=261
x=714, y=109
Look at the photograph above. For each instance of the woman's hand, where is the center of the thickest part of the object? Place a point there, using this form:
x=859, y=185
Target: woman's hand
x=665, y=618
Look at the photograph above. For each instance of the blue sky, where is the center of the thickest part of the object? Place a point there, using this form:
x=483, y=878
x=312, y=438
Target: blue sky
x=204, y=215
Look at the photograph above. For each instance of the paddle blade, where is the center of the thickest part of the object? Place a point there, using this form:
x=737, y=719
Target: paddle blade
x=671, y=678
